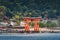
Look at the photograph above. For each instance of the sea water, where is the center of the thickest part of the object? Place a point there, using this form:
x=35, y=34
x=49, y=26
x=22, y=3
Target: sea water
x=34, y=36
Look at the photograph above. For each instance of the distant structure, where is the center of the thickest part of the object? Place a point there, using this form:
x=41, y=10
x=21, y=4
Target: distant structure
x=35, y=20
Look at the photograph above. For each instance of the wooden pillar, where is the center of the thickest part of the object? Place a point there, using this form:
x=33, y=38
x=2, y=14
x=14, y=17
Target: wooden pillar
x=27, y=25
x=36, y=24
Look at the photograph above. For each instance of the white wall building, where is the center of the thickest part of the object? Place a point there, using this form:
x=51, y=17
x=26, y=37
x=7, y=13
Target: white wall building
x=22, y=23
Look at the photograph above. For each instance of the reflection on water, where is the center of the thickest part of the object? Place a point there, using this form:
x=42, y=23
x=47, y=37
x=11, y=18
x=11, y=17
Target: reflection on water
x=39, y=36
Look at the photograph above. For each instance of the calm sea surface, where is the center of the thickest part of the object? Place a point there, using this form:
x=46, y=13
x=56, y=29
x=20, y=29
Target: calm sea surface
x=39, y=36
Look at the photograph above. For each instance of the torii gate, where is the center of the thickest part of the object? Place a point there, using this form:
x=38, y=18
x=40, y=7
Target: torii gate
x=36, y=24
x=27, y=25
x=35, y=21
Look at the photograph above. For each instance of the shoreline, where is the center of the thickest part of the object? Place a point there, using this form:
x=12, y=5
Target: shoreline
x=35, y=34
x=41, y=30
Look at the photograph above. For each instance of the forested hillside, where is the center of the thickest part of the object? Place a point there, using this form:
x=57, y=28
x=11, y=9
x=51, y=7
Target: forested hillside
x=30, y=8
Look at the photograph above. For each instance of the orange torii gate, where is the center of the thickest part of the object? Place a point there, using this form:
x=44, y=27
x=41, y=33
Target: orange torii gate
x=36, y=24
x=35, y=21
x=27, y=25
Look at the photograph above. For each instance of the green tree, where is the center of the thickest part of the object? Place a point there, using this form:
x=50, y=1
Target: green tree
x=3, y=10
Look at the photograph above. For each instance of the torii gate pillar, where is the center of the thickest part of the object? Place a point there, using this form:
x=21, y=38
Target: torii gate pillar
x=27, y=25
x=36, y=24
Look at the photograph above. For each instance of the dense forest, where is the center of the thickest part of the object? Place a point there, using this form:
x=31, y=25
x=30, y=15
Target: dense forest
x=30, y=8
